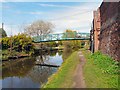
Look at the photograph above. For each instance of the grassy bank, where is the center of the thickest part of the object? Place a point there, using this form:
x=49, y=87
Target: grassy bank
x=64, y=76
x=100, y=71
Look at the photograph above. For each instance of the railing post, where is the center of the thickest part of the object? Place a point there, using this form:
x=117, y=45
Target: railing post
x=51, y=37
x=57, y=36
x=66, y=35
x=74, y=34
x=43, y=37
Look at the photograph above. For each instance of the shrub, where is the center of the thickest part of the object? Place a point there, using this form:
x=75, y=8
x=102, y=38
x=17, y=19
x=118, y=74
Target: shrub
x=20, y=42
x=106, y=63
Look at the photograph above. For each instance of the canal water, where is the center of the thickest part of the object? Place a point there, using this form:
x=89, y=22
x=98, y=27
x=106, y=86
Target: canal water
x=24, y=73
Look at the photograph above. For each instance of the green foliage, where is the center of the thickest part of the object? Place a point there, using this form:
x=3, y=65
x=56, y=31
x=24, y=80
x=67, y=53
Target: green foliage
x=2, y=33
x=106, y=63
x=69, y=34
x=52, y=44
x=73, y=44
x=101, y=69
x=19, y=43
x=60, y=43
x=5, y=42
x=22, y=42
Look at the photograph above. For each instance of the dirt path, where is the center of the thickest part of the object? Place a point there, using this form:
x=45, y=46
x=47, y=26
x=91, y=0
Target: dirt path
x=79, y=81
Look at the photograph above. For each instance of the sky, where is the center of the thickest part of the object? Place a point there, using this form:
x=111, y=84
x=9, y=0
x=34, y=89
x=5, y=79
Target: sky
x=63, y=15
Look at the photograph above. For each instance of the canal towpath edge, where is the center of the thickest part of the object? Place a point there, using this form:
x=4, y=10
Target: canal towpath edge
x=79, y=81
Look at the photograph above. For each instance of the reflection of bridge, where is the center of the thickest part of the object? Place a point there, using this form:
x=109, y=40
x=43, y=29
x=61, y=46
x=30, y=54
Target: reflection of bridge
x=48, y=65
x=61, y=37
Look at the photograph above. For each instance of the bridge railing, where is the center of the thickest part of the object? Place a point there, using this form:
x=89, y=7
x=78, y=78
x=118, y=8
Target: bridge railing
x=61, y=36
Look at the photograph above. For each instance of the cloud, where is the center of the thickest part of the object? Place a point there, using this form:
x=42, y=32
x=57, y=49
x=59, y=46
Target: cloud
x=75, y=19
x=79, y=10
x=64, y=6
x=58, y=6
x=5, y=7
x=32, y=12
x=52, y=5
x=36, y=13
x=0, y=25
x=80, y=25
x=2, y=0
x=54, y=0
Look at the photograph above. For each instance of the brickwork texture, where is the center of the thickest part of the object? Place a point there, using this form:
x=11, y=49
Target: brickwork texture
x=110, y=29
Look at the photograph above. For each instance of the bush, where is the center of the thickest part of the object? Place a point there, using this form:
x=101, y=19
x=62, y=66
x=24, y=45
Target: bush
x=5, y=43
x=106, y=63
x=20, y=42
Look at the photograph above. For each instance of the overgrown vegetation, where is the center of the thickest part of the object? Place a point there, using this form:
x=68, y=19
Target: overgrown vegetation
x=100, y=71
x=73, y=44
x=106, y=63
x=20, y=44
x=64, y=76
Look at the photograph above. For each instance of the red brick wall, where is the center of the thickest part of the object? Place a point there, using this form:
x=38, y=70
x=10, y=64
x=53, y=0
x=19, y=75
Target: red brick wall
x=110, y=29
x=96, y=28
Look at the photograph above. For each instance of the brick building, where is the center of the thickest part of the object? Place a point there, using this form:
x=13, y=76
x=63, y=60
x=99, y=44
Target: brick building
x=96, y=27
x=110, y=29
x=95, y=31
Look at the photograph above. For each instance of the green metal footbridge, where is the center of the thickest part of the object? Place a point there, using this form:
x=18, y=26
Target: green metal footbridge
x=61, y=37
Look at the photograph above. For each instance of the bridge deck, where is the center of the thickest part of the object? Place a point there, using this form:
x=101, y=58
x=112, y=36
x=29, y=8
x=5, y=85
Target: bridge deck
x=61, y=37
x=61, y=40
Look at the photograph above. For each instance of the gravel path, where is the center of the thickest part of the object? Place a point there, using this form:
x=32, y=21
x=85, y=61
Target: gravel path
x=79, y=81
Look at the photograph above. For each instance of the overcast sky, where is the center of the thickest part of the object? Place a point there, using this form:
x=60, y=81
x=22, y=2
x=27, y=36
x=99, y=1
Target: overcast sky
x=64, y=15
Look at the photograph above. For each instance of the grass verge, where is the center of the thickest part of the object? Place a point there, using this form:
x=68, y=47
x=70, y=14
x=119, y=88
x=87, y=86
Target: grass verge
x=100, y=71
x=64, y=76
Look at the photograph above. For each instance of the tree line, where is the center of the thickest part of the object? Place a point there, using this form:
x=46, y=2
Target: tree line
x=19, y=43
x=23, y=42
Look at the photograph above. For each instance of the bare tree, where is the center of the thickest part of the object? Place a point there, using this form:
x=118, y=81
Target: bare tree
x=39, y=28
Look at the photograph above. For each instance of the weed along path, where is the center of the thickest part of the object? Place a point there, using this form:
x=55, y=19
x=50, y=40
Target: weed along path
x=79, y=81
x=85, y=70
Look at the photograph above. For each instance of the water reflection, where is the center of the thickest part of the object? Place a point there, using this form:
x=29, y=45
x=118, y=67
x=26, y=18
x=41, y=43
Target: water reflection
x=15, y=68
x=66, y=53
x=24, y=73
x=39, y=74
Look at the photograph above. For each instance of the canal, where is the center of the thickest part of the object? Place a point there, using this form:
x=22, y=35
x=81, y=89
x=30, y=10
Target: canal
x=25, y=73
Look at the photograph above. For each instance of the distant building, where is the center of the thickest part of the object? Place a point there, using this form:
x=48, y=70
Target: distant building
x=96, y=28
x=95, y=31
